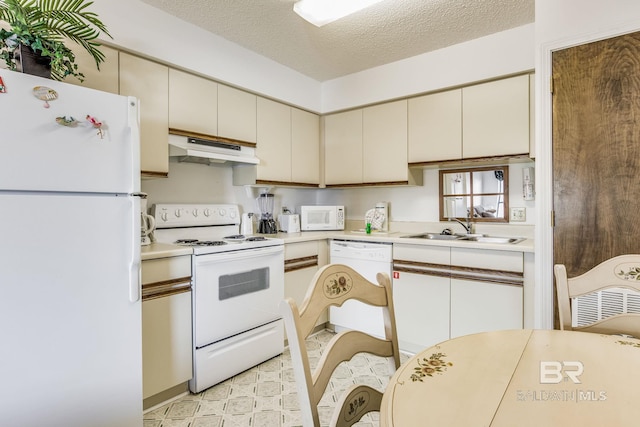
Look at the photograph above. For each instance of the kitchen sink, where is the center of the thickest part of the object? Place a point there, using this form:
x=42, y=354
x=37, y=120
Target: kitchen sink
x=492, y=239
x=434, y=236
x=480, y=238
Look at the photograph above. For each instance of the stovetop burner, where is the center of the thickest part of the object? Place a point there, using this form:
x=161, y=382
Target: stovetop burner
x=185, y=241
x=235, y=237
x=256, y=239
x=196, y=242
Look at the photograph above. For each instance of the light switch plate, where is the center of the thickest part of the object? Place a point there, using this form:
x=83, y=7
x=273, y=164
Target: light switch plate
x=517, y=214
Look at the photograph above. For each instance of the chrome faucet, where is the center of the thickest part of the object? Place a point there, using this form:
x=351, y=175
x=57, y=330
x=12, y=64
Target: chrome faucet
x=470, y=227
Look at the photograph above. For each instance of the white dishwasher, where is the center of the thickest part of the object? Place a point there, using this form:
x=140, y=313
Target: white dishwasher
x=368, y=259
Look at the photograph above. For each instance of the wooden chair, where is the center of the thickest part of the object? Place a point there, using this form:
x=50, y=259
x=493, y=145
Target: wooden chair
x=333, y=285
x=619, y=272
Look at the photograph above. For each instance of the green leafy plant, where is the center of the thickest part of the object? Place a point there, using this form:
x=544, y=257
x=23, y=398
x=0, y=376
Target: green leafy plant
x=44, y=26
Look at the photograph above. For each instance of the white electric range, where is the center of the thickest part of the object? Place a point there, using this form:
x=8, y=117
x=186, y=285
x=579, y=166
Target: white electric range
x=238, y=284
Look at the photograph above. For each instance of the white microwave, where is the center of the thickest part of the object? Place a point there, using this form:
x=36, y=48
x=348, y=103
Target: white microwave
x=319, y=218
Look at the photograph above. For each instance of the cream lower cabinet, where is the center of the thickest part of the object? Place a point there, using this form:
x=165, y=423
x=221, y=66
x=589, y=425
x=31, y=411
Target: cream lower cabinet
x=301, y=262
x=442, y=293
x=487, y=289
x=421, y=295
x=149, y=82
x=166, y=328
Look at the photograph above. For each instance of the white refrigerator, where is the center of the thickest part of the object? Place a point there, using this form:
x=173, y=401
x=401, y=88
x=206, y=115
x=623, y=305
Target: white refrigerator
x=70, y=308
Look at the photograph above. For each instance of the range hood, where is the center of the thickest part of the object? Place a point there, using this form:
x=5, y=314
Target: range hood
x=210, y=150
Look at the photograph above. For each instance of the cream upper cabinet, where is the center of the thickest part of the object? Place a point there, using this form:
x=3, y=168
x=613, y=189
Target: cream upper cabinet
x=274, y=141
x=305, y=147
x=288, y=144
x=193, y=103
x=495, y=118
x=385, y=143
x=236, y=114
x=343, y=148
x=105, y=79
x=149, y=82
x=368, y=146
x=435, y=127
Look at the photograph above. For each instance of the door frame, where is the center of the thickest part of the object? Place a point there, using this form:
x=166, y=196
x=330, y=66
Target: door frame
x=544, y=297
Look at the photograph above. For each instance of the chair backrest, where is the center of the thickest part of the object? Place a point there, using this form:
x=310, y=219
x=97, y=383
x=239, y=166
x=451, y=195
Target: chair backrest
x=618, y=272
x=332, y=285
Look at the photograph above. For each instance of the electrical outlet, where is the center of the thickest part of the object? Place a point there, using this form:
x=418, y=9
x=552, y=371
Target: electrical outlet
x=518, y=214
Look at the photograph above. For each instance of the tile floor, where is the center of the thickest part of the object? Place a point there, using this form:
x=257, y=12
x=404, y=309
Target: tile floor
x=266, y=396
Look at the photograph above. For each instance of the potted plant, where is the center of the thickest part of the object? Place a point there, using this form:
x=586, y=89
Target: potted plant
x=37, y=32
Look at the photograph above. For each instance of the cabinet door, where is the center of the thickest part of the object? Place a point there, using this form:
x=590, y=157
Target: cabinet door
x=421, y=303
x=193, y=103
x=343, y=148
x=481, y=306
x=421, y=295
x=236, y=114
x=105, y=79
x=385, y=142
x=149, y=82
x=302, y=261
x=305, y=147
x=273, y=141
x=166, y=343
x=495, y=118
x=435, y=127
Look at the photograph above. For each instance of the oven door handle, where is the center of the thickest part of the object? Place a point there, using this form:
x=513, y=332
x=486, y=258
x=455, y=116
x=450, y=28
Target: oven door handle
x=241, y=254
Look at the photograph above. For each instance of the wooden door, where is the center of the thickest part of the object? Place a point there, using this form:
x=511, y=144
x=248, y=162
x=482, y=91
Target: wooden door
x=596, y=152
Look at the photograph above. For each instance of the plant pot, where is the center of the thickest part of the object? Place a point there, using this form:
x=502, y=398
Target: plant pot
x=31, y=62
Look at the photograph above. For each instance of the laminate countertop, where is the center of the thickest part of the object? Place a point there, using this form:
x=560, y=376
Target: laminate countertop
x=163, y=250
x=526, y=245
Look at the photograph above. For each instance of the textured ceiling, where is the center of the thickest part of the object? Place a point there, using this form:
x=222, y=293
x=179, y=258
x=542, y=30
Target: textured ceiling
x=386, y=32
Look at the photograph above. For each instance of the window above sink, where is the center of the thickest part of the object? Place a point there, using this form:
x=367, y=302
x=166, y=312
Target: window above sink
x=481, y=193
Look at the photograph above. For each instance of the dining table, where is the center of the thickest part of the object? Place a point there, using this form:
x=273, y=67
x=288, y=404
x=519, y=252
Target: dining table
x=518, y=378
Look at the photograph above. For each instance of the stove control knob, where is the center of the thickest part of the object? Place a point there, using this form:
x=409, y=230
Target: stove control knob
x=207, y=212
x=164, y=216
x=178, y=213
x=195, y=213
x=222, y=212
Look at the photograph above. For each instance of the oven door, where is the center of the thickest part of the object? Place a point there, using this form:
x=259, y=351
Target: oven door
x=236, y=291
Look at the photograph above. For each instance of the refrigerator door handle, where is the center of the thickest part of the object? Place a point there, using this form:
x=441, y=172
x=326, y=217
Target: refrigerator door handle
x=135, y=279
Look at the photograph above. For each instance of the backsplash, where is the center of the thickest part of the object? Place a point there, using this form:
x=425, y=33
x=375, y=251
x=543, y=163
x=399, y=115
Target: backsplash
x=195, y=183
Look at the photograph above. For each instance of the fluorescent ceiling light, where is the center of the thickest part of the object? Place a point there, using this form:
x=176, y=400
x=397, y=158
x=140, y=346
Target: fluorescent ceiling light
x=322, y=12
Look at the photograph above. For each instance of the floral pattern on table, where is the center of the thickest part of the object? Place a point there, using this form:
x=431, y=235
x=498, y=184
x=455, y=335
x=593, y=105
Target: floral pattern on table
x=630, y=343
x=428, y=367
